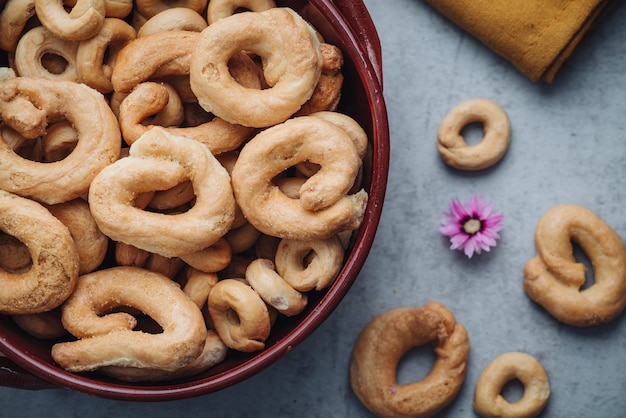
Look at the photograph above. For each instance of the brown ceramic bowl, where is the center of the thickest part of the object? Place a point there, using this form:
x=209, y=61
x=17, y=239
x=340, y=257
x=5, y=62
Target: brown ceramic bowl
x=347, y=24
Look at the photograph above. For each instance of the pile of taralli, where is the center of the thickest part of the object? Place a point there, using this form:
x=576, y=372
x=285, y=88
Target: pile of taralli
x=186, y=165
x=554, y=279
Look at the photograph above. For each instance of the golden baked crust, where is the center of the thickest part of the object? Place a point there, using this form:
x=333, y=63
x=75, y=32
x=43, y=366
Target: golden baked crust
x=554, y=278
x=382, y=343
x=488, y=402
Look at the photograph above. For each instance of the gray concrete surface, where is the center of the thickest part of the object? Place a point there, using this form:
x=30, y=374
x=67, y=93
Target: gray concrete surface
x=568, y=146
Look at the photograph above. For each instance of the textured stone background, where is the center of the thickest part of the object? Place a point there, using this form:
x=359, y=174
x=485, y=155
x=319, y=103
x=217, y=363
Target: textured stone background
x=568, y=146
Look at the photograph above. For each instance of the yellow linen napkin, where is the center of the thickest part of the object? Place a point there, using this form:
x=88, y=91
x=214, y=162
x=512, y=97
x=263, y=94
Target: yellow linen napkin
x=536, y=36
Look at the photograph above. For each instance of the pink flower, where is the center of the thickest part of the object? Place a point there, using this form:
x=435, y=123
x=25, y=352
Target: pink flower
x=472, y=229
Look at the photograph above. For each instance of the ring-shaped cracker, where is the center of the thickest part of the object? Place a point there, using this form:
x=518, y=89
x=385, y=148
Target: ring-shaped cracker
x=497, y=135
x=308, y=265
x=82, y=22
x=239, y=315
x=54, y=271
x=27, y=104
x=323, y=208
x=159, y=161
x=554, y=279
x=35, y=50
x=382, y=343
x=291, y=58
x=488, y=401
x=108, y=339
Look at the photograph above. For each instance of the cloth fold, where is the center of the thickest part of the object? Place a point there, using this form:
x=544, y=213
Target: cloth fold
x=536, y=36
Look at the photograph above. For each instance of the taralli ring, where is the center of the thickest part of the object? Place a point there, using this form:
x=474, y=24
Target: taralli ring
x=496, y=126
x=292, y=64
x=27, y=104
x=54, y=271
x=488, y=400
x=308, y=265
x=159, y=161
x=324, y=207
x=382, y=343
x=36, y=45
x=109, y=339
x=239, y=315
x=554, y=279
x=82, y=22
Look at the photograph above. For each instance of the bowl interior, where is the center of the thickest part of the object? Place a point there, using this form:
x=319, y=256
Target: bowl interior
x=361, y=99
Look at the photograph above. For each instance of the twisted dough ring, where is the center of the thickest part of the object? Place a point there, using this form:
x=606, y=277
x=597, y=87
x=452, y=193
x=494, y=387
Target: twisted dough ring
x=197, y=287
x=218, y=9
x=54, y=271
x=323, y=208
x=239, y=315
x=95, y=57
x=159, y=161
x=382, y=343
x=37, y=44
x=488, y=402
x=292, y=65
x=27, y=104
x=554, y=279
x=109, y=340
x=496, y=125
x=82, y=22
x=308, y=265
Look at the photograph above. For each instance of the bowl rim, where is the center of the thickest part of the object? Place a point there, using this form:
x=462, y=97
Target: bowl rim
x=368, y=66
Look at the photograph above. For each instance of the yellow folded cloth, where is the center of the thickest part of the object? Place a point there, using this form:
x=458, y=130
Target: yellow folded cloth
x=536, y=36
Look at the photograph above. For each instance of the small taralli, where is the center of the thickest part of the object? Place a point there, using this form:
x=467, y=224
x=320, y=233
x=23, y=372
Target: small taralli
x=497, y=128
x=554, y=279
x=382, y=343
x=292, y=66
x=488, y=402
